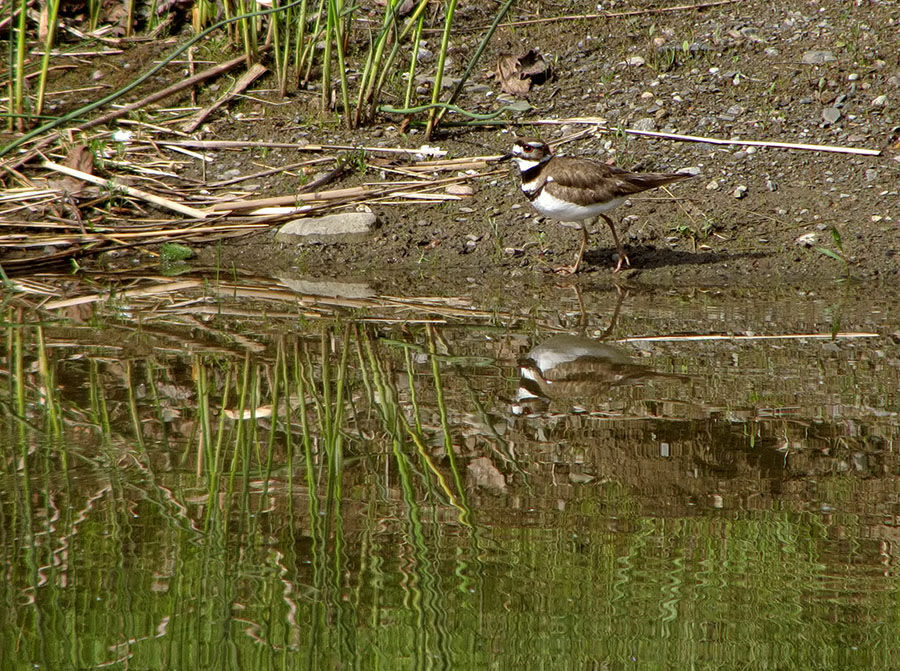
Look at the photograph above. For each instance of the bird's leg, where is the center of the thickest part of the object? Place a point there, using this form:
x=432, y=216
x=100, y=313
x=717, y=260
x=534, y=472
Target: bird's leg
x=623, y=257
x=571, y=270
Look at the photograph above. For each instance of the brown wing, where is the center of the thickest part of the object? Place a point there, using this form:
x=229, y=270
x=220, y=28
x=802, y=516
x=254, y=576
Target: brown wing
x=585, y=181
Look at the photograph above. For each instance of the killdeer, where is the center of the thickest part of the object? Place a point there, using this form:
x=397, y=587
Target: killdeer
x=576, y=369
x=577, y=189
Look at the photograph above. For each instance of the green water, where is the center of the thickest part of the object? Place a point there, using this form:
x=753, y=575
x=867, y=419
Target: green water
x=229, y=479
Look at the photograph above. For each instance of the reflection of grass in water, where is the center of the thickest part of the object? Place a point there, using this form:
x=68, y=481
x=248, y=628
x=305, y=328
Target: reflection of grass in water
x=234, y=575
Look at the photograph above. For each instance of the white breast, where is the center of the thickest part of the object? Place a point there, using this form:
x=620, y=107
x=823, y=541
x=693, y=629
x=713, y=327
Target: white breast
x=551, y=206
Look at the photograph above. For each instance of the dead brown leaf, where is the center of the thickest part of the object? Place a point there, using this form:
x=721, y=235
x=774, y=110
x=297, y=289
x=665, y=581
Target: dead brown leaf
x=80, y=158
x=116, y=13
x=517, y=73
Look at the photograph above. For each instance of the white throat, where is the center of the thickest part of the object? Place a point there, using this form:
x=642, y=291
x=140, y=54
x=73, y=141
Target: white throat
x=527, y=164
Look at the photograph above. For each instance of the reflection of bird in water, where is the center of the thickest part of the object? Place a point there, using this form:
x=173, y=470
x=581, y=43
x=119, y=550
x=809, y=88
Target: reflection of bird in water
x=573, y=367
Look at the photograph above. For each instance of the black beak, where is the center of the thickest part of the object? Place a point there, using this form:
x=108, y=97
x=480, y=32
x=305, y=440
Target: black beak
x=505, y=157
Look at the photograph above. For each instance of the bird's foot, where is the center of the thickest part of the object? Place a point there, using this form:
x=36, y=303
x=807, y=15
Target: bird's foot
x=623, y=258
x=566, y=271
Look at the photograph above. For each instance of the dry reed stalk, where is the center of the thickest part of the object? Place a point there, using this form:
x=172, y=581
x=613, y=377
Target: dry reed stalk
x=404, y=197
x=56, y=53
x=405, y=172
x=30, y=206
x=143, y=170
x=240, y=144
x=63, y=92
x=146, y=125
x=250, y=76
x=17, y=195
x=603, y=128
x=28, y=286
x=191, y=154
x=721, y=336
x=130, y=190
x=161, y=288
x=365, y=193
x=468, y=163
x=270, y=171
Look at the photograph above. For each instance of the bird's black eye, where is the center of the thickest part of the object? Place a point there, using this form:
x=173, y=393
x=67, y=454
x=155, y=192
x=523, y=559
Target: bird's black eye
x=528, y=148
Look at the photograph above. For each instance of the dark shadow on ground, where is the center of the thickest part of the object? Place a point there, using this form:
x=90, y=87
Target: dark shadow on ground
x=647, y=257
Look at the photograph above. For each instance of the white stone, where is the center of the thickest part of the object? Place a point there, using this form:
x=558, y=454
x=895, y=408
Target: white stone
x=340, y=227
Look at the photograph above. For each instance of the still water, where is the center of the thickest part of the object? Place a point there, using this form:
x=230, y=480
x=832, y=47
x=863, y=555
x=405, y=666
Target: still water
x=200, y=474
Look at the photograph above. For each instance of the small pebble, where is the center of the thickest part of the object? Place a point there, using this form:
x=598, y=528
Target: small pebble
x=739, y=191
x=831, y=115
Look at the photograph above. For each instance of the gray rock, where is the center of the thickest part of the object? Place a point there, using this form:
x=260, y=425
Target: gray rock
x=424, y=55
x=817, y=57
x=460, y=189
x=739, y=191
x=340, y=227
x=831, y=115
x=645, y=123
